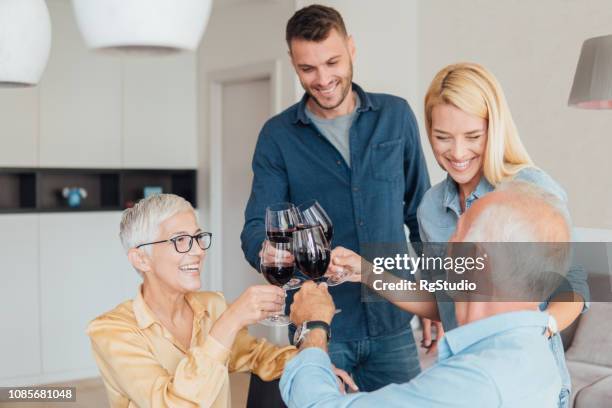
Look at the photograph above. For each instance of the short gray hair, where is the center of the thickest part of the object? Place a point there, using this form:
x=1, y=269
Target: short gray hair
x=140, y=224
x=532, y=265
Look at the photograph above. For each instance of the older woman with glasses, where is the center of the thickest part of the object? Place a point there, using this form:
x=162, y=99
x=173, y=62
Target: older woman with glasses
x=172, y=346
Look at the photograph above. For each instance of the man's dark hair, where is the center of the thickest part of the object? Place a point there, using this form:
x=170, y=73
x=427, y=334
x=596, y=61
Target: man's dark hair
x=314, y=23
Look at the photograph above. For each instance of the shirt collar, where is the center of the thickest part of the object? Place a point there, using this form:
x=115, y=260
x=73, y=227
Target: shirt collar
x=145, y=316
x=366, y=104
x=451, y=193
x=457, y=340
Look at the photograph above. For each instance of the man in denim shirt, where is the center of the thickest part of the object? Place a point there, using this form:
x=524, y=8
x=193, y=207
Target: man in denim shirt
x=359, y=155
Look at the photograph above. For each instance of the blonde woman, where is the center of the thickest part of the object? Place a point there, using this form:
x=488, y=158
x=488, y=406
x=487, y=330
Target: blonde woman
x=474, y=139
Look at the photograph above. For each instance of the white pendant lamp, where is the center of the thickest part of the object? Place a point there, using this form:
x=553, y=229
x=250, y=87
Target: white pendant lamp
x=142, y=26
x=592, y=88
x=25, y=41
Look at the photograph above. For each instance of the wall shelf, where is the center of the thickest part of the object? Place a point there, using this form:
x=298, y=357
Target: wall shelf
x=40, y=189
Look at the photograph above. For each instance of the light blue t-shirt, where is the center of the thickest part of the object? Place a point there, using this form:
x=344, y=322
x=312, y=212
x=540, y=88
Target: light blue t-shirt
x=337, y=130
x=500, y=361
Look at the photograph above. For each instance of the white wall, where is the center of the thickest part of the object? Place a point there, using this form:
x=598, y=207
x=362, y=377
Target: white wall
x=238, y=35
x=533, y=47
x=59, y=271
x=386, y=35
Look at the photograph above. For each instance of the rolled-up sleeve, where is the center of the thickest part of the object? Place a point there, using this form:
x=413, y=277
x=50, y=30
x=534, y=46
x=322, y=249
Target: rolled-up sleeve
x=259, y=357
x=576, y=279
x=270, y=185
x=576, y=282
x=129, y=368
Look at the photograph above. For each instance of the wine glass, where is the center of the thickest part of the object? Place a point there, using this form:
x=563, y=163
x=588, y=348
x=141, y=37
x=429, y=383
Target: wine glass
x=281, y=222
x=277, y=267
x=311, y=214
x=311, y=252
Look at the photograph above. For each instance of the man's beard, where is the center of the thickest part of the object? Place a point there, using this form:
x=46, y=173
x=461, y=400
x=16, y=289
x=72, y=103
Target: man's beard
x=345, y=84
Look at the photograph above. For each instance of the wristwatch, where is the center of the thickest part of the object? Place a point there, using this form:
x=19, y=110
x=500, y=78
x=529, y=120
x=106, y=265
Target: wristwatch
x=552, y=325
x=303, y=329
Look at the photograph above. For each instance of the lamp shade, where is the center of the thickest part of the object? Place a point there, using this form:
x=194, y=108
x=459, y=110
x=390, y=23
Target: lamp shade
x=142, y=26
x=25, y=41
x=592, y=88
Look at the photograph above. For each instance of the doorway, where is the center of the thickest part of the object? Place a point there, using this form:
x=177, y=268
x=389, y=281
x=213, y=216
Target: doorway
x=242, y=99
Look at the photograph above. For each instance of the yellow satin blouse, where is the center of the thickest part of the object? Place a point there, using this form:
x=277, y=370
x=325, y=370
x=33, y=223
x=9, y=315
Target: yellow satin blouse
x=144, y=366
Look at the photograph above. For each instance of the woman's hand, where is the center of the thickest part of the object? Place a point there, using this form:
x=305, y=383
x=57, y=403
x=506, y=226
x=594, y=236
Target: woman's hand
x=431, y=344
x=342, y=261
x=344, y=379
x=255, y=304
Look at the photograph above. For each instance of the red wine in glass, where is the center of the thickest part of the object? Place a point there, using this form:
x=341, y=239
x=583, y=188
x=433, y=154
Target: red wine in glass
x=281, y=219
x=311, y=251
x=277, y=268
x=280, y=236
x=312, y=263
x=277, y=275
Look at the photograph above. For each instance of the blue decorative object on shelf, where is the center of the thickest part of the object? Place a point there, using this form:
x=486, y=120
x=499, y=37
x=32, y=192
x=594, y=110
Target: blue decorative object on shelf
x=152, y=190
x=74, y=195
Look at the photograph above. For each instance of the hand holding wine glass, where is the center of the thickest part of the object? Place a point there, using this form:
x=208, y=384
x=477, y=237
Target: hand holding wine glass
x=271, y=255
x=277, y=269
x=346, y=264
x=281, y=221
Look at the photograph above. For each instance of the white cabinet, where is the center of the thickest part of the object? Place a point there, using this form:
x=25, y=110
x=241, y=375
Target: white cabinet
x=18, y=127
x=80, y=100
x=160, y=126
x=19, y=299
x=84, y=272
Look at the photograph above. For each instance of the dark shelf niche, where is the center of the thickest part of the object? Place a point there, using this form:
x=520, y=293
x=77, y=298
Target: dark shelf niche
x=40, y=190
x=17, y=190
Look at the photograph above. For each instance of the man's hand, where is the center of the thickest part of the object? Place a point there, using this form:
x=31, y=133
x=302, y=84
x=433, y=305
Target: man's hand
x=272, y=255
x=312, y=302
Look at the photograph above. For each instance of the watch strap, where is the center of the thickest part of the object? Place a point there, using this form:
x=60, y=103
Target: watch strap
x=319, y=324
x=306, y=327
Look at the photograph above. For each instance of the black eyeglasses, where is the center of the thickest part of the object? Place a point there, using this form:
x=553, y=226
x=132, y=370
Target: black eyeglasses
x=183, y=243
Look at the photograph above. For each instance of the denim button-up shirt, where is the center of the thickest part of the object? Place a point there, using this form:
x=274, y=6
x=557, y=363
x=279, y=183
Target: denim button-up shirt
x=499, y=361
x=368, y=202
x=438, y=215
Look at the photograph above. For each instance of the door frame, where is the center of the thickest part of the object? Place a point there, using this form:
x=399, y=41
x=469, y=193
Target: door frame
x=270, y=70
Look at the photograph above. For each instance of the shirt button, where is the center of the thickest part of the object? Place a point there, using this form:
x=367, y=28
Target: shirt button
x=338, y=162
x=355, y=188
x=361, y=223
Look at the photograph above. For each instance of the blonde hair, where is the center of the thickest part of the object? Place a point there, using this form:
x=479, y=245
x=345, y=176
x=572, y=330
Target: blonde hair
x=474, y=90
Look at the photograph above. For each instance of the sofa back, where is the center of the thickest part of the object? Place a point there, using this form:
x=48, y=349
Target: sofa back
x=592, y=342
